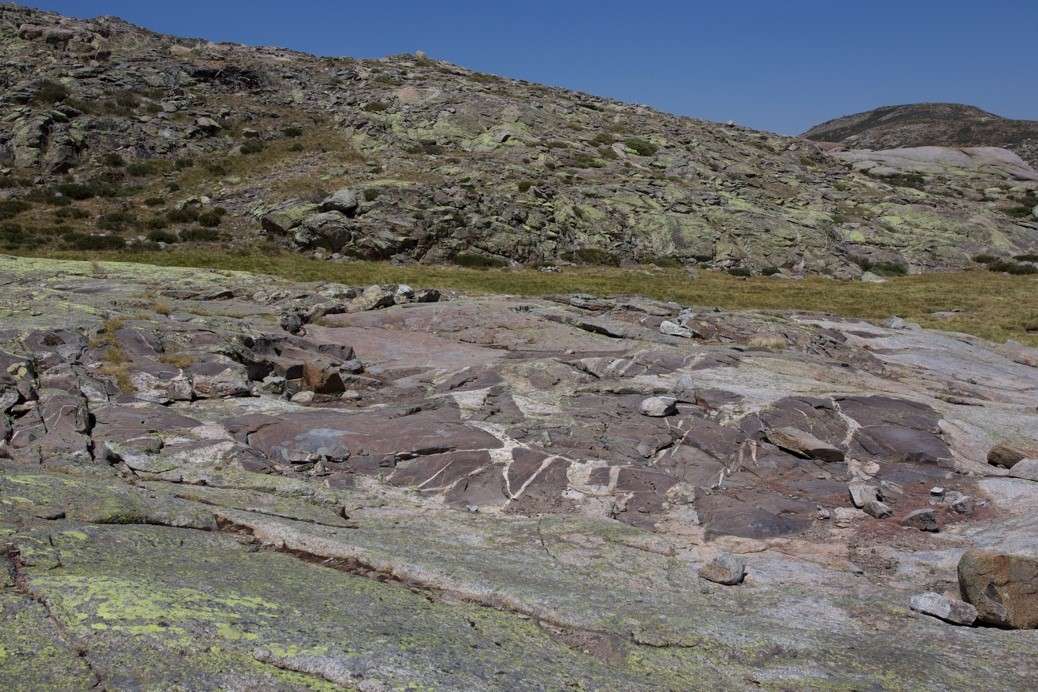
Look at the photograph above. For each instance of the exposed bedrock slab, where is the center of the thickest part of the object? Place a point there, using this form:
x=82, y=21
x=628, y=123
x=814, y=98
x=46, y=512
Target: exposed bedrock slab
x=466, y=494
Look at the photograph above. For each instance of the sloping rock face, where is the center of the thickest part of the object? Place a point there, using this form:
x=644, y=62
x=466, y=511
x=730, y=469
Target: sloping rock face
x=478, y=501
x=436, y=164
x=930, y=124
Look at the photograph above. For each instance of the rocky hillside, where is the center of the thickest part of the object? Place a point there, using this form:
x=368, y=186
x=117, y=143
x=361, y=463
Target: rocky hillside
x=930, y=124
x=215, y=480
x=113, y=136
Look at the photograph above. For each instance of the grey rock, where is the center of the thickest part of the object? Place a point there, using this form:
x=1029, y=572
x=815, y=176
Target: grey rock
x=658, y=407
x=862, y=493
x=1007, y=454
x=877, y=509
x=944, y=608
x=345, y=201
x=922, y=519
x=803, y=443
x=674, y=329
x=1026, y=469
x=726, y=569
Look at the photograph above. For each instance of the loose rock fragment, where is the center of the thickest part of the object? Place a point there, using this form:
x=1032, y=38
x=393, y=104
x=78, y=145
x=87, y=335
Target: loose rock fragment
x=922, y=519
x=658, y=407
x=947, y=609
x=804, y=444
x=725, y=569
x=1026, y=469
x=877, y=509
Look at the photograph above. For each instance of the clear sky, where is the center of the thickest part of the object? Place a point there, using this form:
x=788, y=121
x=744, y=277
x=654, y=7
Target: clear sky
x=780, y=65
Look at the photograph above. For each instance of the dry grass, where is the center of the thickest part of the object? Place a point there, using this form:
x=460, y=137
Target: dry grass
x=991, y=305
x=114, y=363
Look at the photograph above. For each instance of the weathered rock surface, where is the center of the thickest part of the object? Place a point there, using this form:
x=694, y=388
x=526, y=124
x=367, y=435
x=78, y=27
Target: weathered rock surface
x=464, y=494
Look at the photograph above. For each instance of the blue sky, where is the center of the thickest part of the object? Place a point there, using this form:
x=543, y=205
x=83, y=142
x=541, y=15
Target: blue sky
x=781, y=65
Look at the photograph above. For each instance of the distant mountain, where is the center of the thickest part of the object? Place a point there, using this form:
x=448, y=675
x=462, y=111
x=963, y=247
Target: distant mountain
x=930, y=124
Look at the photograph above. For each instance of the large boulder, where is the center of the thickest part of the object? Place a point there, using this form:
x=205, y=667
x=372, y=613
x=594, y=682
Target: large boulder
x=1002, y=587
x=328, y=230
x=284, y=219
x=345, y=201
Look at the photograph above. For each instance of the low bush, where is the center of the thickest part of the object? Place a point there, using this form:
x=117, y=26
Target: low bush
x=116, y=220
x=740, y=271
x=50, y=92
x=474, y=261
x=641, y=146
x=85, y=241
x=253, y=146
x=1029, y=257
x=114, y=160
x=594, y=255
x=1008, y=267
x=292, y=132
x=210, y=219
x=376, y=107
x=160, y=236
x=185, y=215
x=197, y=234
x=10, y=208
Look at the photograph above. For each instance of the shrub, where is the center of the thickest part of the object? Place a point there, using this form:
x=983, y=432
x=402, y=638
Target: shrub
x=197, y=234
x=1029, y=257
x=183, y=164
x=371, y=194
x=1020, y=212
x=1012, y=267
x=116, y=220
x=84, y=241
x=292, y=132
x=604, y=138
x=142, y=168
x=155, y=222
x=210, y=219
x=10, y=208
x=375, y=107
x=740, y=271
x=49, y=92
x=76, y=191
x=253, y=146
x=71, y=213
x=185, y=215
x=594, y=255
x=582, y=160
x=296, y=147
x=641, y=146
x=985, y=259
x=154, y=202
x=474, y=261
x=913, y=180
x=114, y=160
x=524, y=185
x=608, y=154
x=12, y=235
x=160, y=236
x=769, y=271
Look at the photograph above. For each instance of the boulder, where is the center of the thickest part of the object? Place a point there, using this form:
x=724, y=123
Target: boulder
x=345, y=201
x=1026, y=469
x=328, y=230
x=658, y=407
x=674, y=329
x=284, y=219
x=922, y=519
x=726, y=569
x=1002, y=587
x=803, y=444
x=862, y=492
x=944, y=608
x=877, y=509
x=373, y=298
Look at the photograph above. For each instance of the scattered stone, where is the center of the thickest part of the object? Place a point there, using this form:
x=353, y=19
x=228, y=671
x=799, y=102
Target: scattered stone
x=304, y=397
x=804, y=444
x=877, y=509
x=1027, y=469
x=960, y=502
x=674, y=329
x=861, y=493
x=944, y=608
x=659, y=407
x=1002, y=587
x=937, y=492
x=726, y=569
x=922, y=519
